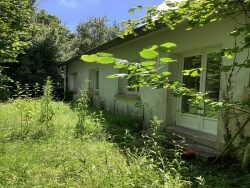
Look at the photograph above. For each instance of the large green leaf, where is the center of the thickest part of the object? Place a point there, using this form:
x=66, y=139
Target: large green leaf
x=148, y=63
x=120, y=66
x=149, y=53
x=167, y=47
x=106, y=60
x=89, y=58
x=166, y=60
x=117, y=76
x=228, y=55
x=166, y=73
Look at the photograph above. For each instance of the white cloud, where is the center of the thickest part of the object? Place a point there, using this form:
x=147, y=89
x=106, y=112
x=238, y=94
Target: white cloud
x=163, y=6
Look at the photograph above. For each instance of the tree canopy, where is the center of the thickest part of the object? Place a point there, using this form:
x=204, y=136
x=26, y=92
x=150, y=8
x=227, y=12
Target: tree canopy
x=94, y=32
x=15, y=18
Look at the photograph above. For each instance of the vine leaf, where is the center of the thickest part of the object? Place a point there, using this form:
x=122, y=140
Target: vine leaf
x=167, y=47
x=117, y=76
x=149, y=53
x=166, y=60
x=106, y=60
x=89, y=58
x=148, y=63
x=166, y=73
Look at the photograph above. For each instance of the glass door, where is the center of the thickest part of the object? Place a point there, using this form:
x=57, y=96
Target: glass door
x=189, y=115
x=202, y=118
x=212, y=87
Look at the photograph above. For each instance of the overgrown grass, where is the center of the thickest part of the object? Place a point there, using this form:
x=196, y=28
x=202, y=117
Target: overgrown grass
x=111, y=152
x=64, y=161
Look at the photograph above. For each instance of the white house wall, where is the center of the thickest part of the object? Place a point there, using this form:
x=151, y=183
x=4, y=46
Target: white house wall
x=161, y=102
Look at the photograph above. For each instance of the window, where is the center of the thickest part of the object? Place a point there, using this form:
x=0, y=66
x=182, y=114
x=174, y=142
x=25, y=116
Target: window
x=123, y=85
x=73, y=81
x=208, y=81
x=191, y=82
x=213, y=81
x=130, y=83
x=94, y=80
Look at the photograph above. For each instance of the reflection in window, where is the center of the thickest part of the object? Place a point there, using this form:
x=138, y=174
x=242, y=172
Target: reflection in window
x=75, y=82
x=97, y=80
x=213, y=81
x=130, y=83
x=94, y=80
x=191, y=83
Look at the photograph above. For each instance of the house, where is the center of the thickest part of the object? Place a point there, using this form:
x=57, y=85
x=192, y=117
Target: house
x=196, y=48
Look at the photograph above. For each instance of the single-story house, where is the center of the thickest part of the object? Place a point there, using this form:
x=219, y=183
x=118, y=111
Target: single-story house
x=198, y=47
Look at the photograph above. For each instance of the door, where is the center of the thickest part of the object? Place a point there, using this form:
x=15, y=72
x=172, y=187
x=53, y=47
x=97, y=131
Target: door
x=201, y=118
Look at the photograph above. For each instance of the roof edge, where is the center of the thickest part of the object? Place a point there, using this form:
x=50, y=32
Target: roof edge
x=116, y=41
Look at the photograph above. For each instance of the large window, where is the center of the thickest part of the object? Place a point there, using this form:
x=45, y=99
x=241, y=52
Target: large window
x=208, y=81
x=213, y=81
x=191, y=82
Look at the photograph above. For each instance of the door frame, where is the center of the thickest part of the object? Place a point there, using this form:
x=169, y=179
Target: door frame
x=196, y=122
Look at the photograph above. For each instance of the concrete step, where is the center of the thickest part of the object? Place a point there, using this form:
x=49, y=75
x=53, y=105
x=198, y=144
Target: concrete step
x=197, y=137
x=203, y=153
x=193, y=144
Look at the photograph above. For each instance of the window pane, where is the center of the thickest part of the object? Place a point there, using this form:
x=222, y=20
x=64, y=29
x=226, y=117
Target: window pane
x=97, y=80
x=75, y=82
x=130, y=83
x=213, y=81
x=191, y=83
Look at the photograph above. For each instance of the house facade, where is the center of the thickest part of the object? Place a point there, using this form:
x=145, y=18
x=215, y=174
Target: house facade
x=196, y=48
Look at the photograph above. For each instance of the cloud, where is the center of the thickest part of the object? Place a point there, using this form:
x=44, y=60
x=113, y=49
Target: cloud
x=163, y=6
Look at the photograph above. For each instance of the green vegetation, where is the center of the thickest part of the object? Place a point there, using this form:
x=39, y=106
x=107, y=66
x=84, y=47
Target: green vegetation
x=53, y=144
x=149, y=72
x=15, y=28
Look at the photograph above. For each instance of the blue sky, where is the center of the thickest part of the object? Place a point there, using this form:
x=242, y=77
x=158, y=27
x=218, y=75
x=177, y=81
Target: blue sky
x=71, y=12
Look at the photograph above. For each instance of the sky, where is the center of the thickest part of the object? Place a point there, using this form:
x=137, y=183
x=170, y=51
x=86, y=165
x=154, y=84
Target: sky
x=71, y=12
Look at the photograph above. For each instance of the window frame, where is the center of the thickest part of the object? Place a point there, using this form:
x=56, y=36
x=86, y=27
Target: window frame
x=94, y=84
x=203, y=76
x=123, y=84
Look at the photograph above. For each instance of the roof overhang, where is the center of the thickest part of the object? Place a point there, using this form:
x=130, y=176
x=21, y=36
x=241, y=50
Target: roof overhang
x=140, y=31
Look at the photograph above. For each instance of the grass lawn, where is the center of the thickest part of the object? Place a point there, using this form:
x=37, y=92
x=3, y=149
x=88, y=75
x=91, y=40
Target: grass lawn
x=102, y=157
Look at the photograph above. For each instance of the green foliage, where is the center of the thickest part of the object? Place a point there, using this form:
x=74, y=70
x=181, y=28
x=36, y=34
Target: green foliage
x=92, y=33
x=149, y=53
x=194, y=13
x=46, y=110
x=51, y=44
x=108, y=161
x=4, y=88
x=15, y=28
x=31, y=121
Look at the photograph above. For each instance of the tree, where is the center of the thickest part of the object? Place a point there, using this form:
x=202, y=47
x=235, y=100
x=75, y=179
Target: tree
x=194, y=13
x=15, y=18
x=51, y=44
x=93, y=33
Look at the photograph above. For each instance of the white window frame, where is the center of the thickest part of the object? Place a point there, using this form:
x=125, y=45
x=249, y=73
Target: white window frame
x=94, y=83
x=201, y=119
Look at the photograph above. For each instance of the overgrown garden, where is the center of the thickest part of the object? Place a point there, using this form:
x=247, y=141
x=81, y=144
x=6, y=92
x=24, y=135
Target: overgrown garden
x=48, y=143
